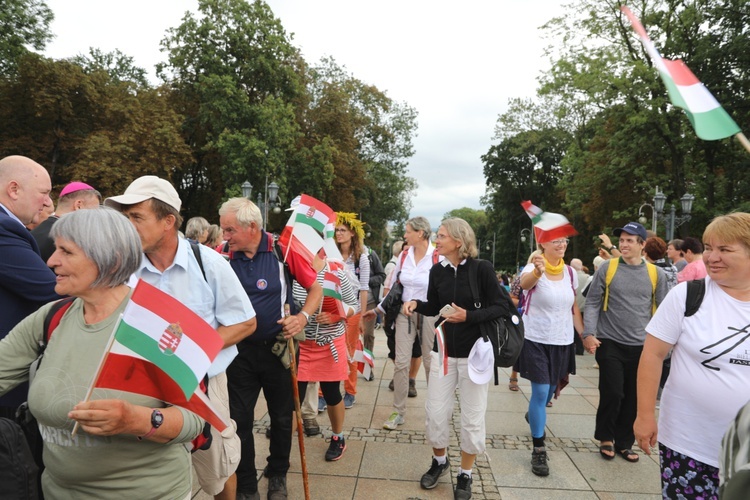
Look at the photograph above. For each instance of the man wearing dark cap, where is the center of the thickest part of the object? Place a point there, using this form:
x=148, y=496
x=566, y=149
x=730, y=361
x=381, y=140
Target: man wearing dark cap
x=211, y=289
x=74, y=196
x=623, y=295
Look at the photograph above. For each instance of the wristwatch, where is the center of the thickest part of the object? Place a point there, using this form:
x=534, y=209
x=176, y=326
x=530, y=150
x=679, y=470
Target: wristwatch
x=157, y=418
x=612, y=247
x=307, y=316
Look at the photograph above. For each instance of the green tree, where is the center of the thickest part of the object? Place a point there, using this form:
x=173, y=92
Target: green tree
x=237, y=79
x=87, y=126
x=119, y=66
x=23, y=24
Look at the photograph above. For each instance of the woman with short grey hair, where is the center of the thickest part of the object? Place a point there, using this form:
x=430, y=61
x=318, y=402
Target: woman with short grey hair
x=122, y=435
x=197, y=229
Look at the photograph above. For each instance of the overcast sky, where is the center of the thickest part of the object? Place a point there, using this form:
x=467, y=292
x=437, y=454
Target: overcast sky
x=457, y=64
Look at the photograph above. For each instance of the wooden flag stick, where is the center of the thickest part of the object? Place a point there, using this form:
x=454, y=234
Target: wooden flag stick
x=743, y=140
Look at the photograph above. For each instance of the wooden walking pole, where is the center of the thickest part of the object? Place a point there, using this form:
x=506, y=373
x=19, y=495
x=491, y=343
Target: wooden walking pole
x=300, y=427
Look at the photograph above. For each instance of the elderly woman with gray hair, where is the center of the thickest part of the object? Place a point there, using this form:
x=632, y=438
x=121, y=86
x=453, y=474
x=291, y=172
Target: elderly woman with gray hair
x=449, y=285
x=413, y=272
x=131, y=446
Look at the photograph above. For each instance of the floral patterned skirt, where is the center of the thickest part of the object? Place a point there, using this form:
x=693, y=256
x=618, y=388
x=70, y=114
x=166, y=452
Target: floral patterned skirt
x=684, y=478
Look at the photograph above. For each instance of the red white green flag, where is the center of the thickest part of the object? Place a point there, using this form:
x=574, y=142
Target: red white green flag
x=363, y=357
x=548, y=226
x=332, y=300
x=314, y=213
x=710, y=121
x=162, y=349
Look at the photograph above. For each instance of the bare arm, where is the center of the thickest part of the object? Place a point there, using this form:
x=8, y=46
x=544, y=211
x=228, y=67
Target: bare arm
x=649, y=374
x=233, y=334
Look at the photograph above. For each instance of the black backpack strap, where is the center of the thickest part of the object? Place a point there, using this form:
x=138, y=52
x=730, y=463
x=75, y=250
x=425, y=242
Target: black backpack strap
x=472, y=267
x=197, y=252
x=696, y=289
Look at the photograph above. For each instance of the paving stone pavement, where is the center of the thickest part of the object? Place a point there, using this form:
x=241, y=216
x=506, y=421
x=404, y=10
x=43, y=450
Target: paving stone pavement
x=385, y=464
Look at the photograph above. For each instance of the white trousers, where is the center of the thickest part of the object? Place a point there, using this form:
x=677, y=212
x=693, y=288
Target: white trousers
x=406, y=330
x=439, y=406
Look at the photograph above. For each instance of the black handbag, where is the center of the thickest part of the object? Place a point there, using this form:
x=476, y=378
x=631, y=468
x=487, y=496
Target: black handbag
x=392, y=305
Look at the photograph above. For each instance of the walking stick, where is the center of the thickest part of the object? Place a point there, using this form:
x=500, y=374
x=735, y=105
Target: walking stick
x=300, y=431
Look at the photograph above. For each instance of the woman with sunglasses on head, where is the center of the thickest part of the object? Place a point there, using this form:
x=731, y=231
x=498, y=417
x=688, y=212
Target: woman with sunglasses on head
x=548, y=354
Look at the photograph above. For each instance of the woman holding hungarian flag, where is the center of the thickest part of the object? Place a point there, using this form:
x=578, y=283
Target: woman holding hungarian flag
x=323, y=354
x=128, y=445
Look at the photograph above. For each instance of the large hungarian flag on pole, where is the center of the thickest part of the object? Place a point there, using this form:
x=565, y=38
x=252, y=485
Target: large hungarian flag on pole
x=162, y=349
x=548, y=226
x=709, y=119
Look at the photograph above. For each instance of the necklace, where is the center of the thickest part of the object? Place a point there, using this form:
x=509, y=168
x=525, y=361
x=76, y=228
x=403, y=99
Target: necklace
x=553, y=270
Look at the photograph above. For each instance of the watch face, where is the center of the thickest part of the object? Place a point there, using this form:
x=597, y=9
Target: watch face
x=157, y=419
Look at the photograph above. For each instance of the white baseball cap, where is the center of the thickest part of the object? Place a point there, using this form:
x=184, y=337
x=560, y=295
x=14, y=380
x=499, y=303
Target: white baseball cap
x=145, y=188
x=481, y=361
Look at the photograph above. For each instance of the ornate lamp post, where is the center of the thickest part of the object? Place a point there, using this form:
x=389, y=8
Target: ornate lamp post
x=671, y=220
x=271, y=198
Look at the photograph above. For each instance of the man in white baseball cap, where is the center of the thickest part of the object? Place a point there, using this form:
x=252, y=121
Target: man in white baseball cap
x=211, y=289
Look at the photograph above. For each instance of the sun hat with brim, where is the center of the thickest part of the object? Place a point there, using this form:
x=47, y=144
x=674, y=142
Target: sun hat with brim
x=75, y=186
x=481, y=361
x=145, y=188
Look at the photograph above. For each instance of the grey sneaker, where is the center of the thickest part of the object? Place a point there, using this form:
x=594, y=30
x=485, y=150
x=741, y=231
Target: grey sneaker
x=277, y=488
x=412, y=389
x=463, y=487
x=393, y=421
x=539, y=462
x=336, y=448
x=248, y=496
x=349, y=400
x=311, y=427
x=322, y=404
x=430, y=478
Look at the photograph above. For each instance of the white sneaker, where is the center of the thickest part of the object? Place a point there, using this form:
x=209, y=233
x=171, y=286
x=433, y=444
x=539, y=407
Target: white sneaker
x=393, y=421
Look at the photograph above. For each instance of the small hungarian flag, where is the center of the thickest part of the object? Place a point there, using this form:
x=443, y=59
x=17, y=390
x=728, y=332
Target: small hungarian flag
x=363, y=357
x=548, y=226
x=314, y=213
x=162, y=349
x=442, y=352
x=332, y=301
x=709, y=119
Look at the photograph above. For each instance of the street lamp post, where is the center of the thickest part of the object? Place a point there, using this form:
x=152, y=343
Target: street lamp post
x=271, y=198
x=642, y=219
x=671, y=220
x=524, y=232
x=494, y=235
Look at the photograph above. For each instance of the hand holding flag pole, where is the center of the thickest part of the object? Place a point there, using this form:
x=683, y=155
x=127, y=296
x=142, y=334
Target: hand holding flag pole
x=297, y=409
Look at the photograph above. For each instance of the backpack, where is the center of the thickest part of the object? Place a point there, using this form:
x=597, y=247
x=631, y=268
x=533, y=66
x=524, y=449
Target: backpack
x=18, y=471
x=377, y=274
x=612, y=269
x=506, y=332
x=696, y=290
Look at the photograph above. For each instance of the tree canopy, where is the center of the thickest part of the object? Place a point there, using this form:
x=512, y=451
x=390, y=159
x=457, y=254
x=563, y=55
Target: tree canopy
x=611, y=135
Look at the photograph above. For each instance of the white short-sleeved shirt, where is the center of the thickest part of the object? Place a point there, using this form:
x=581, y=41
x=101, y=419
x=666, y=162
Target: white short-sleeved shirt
x=710, y=376
x=548, y=317
x=415, y=276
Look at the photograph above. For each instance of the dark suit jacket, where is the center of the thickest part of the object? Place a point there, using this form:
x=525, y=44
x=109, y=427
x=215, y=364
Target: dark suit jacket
x=25, y=284
x=43, y=239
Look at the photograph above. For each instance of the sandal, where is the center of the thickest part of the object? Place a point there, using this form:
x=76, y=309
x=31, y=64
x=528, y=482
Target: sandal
x=629, y=455
x=549, y=404
x=513, y=384
x=607, y=447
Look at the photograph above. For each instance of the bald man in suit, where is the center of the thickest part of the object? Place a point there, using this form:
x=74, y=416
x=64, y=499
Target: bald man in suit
x=25, y=280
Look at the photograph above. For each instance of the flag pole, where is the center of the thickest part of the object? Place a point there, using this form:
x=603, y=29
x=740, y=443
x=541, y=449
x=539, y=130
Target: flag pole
x=297, y=409
x=90, y=390
x=743, y=140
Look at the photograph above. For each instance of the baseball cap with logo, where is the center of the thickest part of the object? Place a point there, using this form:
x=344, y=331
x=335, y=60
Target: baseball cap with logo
x=481, y=361
x=632, y=228
x=144, y=188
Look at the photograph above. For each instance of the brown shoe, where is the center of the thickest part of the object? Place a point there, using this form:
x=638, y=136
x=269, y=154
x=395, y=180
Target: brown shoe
x=311, y=427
